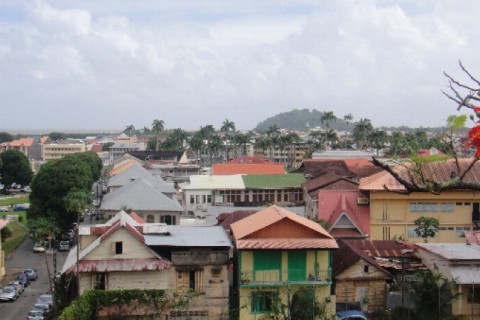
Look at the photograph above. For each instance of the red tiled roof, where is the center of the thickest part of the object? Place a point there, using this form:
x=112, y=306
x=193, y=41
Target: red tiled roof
x=251, y=159
x=226, y=219
x=329, y=181
x=96, y=148
x=247, y=168
x=25, y=142
x=384, y=248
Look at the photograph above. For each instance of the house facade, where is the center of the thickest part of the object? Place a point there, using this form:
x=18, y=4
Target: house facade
x=392, y=214
x=278, y=254
x=459, y=263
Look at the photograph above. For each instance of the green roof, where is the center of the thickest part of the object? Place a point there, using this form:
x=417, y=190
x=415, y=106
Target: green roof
x=273, y=181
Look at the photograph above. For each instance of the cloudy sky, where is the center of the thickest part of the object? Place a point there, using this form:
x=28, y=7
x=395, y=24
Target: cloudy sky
x=87, y=65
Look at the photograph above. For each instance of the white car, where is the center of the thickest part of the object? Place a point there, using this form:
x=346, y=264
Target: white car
x=9, y=294
x=38, y=247
x=3, y=209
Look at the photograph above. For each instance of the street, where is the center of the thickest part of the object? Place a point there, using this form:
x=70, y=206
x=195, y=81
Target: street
x=22, y=258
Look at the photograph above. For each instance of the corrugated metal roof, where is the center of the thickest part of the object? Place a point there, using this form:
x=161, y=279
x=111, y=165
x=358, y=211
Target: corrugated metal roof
x=268, y=217
x=139, y=195
x=137, y=172
x=247, y=168
x=379, y=181
x=210, y=182
x=185, y=236
x=286, y=243
x=452, y=251
x=110, y=265
x=466, y=274
x=270, y=181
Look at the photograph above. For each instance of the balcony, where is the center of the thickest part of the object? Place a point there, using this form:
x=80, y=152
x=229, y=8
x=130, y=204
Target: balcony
x=250, y=278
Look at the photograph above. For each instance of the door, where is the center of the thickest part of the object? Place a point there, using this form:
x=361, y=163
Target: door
x=297, y=265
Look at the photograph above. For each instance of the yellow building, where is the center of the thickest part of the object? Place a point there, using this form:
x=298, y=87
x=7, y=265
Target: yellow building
x=392, y=214
x=3, y=223
x=281, y=255
x=59, y=150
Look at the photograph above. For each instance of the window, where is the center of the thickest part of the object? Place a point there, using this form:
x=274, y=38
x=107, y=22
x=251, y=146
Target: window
x=100, y=281
x=209, y=198
x=190, y=280
x=473, y=294
x=447, y=207
x=423, y=207
x=263, y=301
x=170, y=220
x=460, y=231
x=150, y=218
x=365, y=269
x=192, y=199
x=118, y=247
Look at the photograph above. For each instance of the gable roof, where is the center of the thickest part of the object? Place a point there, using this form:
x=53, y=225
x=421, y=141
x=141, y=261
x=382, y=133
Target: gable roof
x=329, y=181
x=186, y=236
x=379, y=181
x=137, y=172
x=273, y=181
x=250, y=159
x=244, y=230
x=347, y=255
x=22, y=142
x=139, y=195
x=316, y=168
x=247, y=168
x=121, y=166
x=157, y=155
x=120, y=220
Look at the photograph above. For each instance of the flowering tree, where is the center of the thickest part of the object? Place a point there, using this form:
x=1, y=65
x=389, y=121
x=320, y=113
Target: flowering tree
x=420, y=174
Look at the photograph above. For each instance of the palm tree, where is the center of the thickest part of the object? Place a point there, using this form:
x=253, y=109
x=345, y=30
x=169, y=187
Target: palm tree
x=175, y=140
x=273, y=133
x=129, y=130
x=327, y=117
x=361, y=131
x=348, y=118
x=226, y=127
x=263, y=142
x=377, y=139
x=242, y=139
x=157, y=127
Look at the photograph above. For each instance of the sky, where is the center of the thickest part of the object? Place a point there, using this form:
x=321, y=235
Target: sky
x=90, y=65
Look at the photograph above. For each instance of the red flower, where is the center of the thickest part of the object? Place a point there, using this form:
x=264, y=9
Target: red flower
x=474, y=135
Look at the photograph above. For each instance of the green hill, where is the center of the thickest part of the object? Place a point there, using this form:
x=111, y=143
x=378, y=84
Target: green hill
x=299, y=120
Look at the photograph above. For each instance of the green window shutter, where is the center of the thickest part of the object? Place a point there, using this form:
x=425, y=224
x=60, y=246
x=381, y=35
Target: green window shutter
x=297, y=265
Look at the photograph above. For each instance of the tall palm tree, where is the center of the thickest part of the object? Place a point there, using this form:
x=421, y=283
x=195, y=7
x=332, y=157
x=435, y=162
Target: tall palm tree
x=273, y=133
x=361, y=131
x=348, y=118
x=328, y=117
x=242, y=139
x=226, y=127
x=157, y=127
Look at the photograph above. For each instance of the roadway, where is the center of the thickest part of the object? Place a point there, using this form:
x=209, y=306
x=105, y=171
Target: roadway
x=22, y=258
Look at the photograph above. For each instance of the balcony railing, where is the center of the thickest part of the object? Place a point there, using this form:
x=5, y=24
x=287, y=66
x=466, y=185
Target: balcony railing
x=250, y=278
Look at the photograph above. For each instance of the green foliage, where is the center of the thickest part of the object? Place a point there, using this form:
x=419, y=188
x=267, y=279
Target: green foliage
x=426, y=227
x=51, y=185
x=432, y=296
x=19, y=234
x=5, y=137
x=6, y=232
x=305, y=306
x=433, y=158
x=57, y=136
x=92, y=160
x=15, y=168
x=106, y=146
x=42, y=226
x=13, y=200
x=456, y=121
x=122, y=304
x=65, y=291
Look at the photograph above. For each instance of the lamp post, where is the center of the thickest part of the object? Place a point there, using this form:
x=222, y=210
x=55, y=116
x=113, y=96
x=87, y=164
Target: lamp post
x=404, y=251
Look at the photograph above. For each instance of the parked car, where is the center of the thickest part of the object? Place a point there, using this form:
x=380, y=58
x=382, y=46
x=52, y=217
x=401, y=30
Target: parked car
x=45, y=298
x=20, y=287
x=44, y=307
x=3, y=209
x=64, y=245
x=20, y=207
x=351, y=315
x=27, y=189
x=31, y=273
x=9, y=294
x=22, y=277
x=36, y=314
x=38, y=247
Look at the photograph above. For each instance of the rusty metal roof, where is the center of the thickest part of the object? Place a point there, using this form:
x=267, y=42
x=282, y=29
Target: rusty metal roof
x=287, y=243
x=473, y=237
x=110, y=265
x=244, y=229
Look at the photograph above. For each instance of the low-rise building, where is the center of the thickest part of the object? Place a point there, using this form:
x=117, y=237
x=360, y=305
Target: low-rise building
x=59, y=149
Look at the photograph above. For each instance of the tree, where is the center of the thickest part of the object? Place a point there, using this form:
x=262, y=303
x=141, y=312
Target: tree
x=361, y=130
x=175, y=140
x=92, y=160
x=226, y=127
x=426, y=227
x=328, y=117
x=106, y=146
x=157, y=127
x=431, y=294
x=129, y=130
x=15, y=168
x=5, y=137
x=6, y=232
x=52, y=183
x=377, y=139
x=348, y=118
x=57, y=136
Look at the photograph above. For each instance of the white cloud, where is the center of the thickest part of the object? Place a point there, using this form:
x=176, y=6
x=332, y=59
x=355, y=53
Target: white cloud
x=112, y=64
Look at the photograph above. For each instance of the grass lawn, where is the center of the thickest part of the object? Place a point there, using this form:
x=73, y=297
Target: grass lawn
x=9, y=200
x=19, y=233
